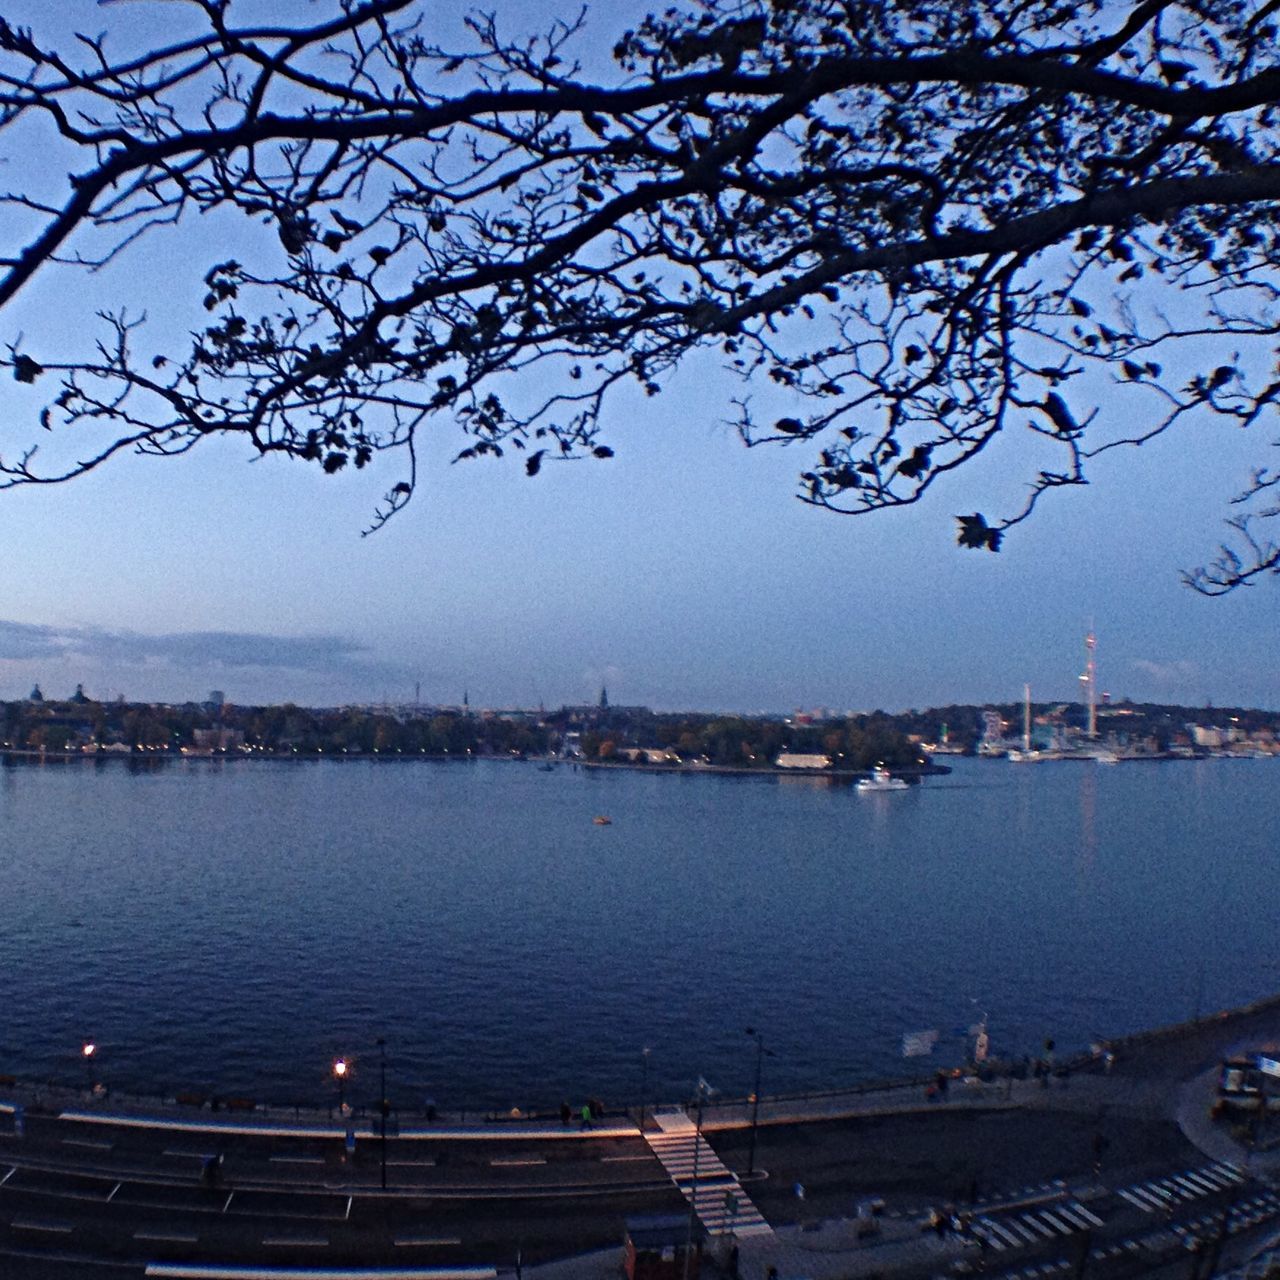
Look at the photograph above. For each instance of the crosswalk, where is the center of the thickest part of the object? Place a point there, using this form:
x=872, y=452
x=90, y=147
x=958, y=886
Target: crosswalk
x=1033, y=1226
x=1159, y=1194
x=1245, y=1213
x=719, y=1201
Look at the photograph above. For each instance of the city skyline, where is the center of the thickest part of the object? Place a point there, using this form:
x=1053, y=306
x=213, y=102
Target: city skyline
x=316, y=652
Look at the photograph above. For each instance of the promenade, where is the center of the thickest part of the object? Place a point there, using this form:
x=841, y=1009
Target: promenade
x=89, y=1183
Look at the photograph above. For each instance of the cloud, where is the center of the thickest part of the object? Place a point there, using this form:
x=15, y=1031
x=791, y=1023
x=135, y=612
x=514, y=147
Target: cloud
x=233, y=651
x=22, y=641
x=1179, y=671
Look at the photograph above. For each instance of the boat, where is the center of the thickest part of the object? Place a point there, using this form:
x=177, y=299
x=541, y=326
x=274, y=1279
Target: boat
x=601, y=820
x=880, y=780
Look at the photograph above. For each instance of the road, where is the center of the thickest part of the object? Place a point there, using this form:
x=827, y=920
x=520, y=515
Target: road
x=1096, y=1174
x=138, y=1195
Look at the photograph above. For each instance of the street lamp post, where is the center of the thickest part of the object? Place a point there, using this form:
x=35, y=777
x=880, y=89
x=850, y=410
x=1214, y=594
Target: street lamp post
x=644, y=1085
x=755, y=1097
x=693, y=1195
x=383, y=1106
x=340, y=1074
x=87, y=1050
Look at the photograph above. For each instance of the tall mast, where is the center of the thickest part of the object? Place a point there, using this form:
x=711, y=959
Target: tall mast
x=1090, y=680
x=1026, y=717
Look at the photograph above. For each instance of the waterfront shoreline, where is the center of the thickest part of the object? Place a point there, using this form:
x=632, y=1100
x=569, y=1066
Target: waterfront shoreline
x=183, y=1110
x=389, y=757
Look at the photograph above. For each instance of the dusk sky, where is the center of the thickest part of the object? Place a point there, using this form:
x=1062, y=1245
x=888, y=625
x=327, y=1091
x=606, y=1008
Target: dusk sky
x=682, y=574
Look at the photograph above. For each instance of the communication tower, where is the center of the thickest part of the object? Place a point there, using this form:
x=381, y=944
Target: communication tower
x=1089, y=681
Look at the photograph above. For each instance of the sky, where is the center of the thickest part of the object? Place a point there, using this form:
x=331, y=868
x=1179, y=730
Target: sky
x=682, y=574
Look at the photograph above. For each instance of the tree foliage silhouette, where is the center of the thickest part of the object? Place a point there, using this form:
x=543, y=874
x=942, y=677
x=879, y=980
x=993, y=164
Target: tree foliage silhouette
x=908, y=229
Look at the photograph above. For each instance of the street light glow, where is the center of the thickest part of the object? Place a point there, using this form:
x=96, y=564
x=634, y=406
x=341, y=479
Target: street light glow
x=340, y=1067
x=89, y=1049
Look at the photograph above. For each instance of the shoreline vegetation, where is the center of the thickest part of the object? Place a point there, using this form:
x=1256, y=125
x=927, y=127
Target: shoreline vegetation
x=157, y=757
x=810, y=744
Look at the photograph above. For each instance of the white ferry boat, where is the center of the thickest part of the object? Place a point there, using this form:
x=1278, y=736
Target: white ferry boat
x=880, y=780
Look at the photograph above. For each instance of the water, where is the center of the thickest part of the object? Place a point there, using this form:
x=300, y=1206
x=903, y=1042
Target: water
x=235, y=926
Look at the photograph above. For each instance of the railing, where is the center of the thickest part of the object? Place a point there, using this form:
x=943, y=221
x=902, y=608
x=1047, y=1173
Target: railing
x=51, y=1095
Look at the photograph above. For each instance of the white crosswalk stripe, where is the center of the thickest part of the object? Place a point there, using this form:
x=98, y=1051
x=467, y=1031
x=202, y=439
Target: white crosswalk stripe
x=1056, y=1223
x=1158, y=1194
x=1090, y=1219
x=1199, y=1180
x=718, y=1199
x=1034, y=1225
x=1141, y=1199
x=995, y=1233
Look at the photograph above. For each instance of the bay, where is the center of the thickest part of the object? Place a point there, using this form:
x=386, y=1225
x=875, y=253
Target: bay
x=235, y=926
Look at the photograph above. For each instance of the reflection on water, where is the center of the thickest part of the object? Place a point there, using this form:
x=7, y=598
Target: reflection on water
x=238, y=926
x=1088, y=831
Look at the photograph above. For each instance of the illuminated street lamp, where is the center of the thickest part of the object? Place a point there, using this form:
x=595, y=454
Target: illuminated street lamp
x=340, y=1069
x=87, y=1050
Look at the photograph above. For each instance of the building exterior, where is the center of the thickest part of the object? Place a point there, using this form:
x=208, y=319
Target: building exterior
x=801, y=760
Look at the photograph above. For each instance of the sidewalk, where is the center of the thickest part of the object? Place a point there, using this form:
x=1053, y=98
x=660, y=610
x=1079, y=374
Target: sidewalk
x=827, y=1250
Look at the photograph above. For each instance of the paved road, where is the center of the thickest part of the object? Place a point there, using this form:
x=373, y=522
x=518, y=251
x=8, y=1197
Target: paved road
x=133, y=1194
x=1111, y=1174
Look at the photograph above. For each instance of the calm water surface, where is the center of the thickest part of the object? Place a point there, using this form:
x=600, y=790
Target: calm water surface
x=236, y=925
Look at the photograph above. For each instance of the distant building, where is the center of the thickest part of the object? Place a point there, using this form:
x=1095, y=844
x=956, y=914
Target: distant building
x=801, y=760
x=35, y=695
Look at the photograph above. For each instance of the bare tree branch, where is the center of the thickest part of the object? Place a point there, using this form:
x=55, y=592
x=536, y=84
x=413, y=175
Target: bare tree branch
x=908, y=231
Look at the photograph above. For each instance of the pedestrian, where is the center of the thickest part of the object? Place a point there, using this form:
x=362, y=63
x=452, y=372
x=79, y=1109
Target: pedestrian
x=566, y=1114
x=586, y=1115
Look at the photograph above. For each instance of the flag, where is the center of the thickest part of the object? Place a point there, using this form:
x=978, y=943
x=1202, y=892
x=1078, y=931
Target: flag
x=918, y=1044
